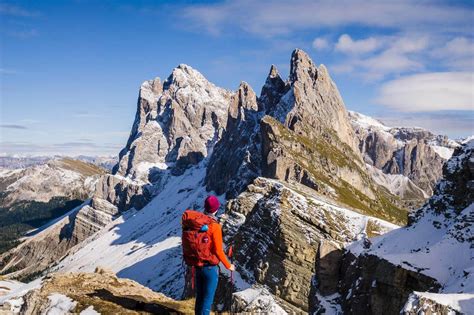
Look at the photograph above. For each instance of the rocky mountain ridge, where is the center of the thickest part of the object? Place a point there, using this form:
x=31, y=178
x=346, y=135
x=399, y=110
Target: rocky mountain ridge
x=12, y=162
x=287, y=164
x=415, y=153
x=31, y=197
x=419, y=257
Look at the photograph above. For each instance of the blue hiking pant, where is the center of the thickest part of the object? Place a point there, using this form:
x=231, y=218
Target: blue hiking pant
x=206, y=284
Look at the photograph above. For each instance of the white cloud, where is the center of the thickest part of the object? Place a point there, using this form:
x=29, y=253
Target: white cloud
x=384, y=55
x=270, y=18
x=12, y=10
x=346, y=44
x=457, y=53
x=459, y=47
x=320, y=43
x=429, y=92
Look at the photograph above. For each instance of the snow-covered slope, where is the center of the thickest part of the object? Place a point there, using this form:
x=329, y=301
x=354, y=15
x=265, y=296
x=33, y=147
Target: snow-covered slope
x=439, y=241
x=145, y=245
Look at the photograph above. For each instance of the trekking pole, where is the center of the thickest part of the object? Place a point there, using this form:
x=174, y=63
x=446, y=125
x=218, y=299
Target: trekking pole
x=229, y=254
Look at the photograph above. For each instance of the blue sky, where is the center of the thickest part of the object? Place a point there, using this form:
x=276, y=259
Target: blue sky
x=70, y=70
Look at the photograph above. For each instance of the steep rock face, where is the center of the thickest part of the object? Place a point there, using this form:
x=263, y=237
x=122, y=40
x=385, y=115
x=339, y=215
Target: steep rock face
x=280, y=235
x=176, y=122
x=454, y=192
x=296, y=131
x=372, y=285
x=413, y=152
x=272, y=91
x=419, y=162
x=419, y=257
x=236, y=159
x=36, y=254
x=312, y=106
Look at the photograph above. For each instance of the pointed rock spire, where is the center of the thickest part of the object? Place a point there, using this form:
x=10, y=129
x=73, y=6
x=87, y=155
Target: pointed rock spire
x=302, y=67
x=273, y=72
x=273, y=90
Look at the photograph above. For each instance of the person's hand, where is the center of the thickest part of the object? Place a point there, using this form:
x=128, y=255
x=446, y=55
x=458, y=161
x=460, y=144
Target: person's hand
x=232, y=267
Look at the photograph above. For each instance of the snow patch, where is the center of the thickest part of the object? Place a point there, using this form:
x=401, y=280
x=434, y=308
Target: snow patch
x=59, y=304
x=443, y=152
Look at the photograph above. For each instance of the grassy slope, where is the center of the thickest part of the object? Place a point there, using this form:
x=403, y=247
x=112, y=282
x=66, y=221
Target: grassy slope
x=384, y=206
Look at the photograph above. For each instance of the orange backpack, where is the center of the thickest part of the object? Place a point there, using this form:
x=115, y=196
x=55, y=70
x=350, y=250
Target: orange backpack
x=196, y=243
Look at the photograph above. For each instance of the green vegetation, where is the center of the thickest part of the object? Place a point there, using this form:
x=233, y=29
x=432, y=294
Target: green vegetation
x=23, y=216
x=314, y=155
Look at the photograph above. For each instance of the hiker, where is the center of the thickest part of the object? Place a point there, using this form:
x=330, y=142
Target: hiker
x=203, y=250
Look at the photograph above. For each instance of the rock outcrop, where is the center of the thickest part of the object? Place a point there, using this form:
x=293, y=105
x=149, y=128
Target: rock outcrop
x=415, y=153
x=236, y=159
x=176, y=123
x=297, y=131
x=282, y=236
x=102, y=292
x=373, y=285
x=380, y=275
x=427, y=304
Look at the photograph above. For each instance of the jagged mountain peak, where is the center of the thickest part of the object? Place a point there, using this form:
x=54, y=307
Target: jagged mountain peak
x=184, y=75
x=273, y=72
x=272, y=91
x=153, y=85
x=245, y=98
x=302, y=67
x=176, y=123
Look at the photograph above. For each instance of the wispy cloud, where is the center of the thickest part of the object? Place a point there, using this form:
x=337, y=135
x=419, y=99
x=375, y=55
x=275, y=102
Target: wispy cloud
x=375, y=58
x=13, y=10
x=85, y=114
x=12, y=126
x=458, y=53
x=429, y=92
x=29, y=121
x=22, y=34
x=272, y=18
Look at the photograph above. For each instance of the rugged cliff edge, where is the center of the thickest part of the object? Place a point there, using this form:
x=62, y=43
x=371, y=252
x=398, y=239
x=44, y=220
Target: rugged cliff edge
x=433, y=255
x=408, y=161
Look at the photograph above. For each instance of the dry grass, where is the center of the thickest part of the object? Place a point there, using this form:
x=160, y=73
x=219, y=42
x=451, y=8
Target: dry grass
x=110, y=295
x=84, y=168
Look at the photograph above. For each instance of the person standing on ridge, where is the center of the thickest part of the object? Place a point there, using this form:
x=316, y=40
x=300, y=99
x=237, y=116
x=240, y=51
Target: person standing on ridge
x=202, y=251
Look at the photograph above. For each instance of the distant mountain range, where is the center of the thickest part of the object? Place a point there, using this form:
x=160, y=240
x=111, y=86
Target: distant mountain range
x=16, y=162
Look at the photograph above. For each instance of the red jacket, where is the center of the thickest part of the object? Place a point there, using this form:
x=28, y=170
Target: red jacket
x=215, y=231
